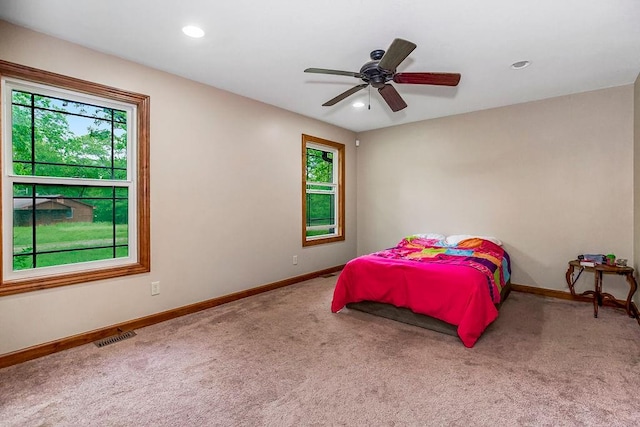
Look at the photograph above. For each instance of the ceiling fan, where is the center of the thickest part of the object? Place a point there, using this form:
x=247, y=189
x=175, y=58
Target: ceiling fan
x=382, y=69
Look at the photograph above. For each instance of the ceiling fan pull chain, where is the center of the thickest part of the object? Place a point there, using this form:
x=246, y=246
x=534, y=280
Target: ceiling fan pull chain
x=369, y=97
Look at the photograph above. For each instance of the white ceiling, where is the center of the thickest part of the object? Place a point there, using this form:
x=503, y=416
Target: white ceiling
x=259, y=49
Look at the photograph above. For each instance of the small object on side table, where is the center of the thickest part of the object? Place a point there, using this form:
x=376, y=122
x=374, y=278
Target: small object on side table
x=598, y=296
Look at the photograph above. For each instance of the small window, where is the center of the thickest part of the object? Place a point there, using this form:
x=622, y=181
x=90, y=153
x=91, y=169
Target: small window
x=74, y=183
x=323, y=191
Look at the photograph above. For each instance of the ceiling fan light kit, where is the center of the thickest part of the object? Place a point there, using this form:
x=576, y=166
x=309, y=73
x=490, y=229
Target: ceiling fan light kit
x=193, y=31
x=381, y=70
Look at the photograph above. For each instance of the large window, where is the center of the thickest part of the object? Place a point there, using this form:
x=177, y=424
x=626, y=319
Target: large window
x=323, y=191
x=75, y=180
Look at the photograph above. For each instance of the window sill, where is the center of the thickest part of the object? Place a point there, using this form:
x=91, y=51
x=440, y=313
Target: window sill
x=11, y=287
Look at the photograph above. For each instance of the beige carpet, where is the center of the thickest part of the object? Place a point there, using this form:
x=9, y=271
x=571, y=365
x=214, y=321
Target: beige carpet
x=283, y=359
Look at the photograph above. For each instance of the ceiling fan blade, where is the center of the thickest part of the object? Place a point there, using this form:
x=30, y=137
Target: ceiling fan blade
x=396, y=53
x=344, y=95
x=442, y=79
x=334, y=72
x=393, y=98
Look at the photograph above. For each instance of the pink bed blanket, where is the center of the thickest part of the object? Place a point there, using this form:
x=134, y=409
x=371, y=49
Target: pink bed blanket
x=453, y=287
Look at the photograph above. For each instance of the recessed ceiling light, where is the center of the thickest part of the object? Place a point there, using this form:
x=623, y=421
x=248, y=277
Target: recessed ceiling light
x=358, y=104
x=193, y=31
x=520, y=65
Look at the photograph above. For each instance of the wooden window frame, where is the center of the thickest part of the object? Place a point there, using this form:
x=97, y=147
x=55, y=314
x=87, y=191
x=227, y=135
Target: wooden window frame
x=340, y=228
x=142, y=219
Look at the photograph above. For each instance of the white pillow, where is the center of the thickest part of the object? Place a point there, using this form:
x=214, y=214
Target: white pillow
x=436, y=236
x=454, y=239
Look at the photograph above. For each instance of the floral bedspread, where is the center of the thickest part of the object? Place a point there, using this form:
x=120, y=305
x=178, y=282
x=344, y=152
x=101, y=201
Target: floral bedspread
x=483, y=255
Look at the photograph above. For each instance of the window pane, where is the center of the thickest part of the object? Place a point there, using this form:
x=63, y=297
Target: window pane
x=71, y=257
x=21, y=133
x=122, y=251
x=21, y=98
x=122, y=237
x=22, y=241
x=71, y=139
x=121, y=216
x=319, y=165
x=311, y=233
x=120, y=116
x=22, y=262
x=71, y=107
x=328, y=188
x=52, y=222
x=320, y=209
x=72, y=191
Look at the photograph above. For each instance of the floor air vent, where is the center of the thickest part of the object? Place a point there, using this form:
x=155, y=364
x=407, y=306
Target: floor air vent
x=114, y=339
x=328, y=275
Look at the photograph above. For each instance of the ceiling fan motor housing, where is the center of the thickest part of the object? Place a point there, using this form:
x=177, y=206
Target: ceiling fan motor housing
x=373, y=74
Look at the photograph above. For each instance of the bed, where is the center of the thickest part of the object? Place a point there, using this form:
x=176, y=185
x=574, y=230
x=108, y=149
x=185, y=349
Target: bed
x=452, y=285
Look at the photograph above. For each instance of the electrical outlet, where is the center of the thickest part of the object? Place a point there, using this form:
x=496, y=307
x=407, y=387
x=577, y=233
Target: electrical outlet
x=155, y=288
x=295, y=260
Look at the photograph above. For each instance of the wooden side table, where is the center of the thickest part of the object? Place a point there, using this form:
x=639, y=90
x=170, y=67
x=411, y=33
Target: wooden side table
x=598, y=296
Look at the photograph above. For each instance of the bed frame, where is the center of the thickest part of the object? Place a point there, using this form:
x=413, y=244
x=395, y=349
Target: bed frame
x=405, y=315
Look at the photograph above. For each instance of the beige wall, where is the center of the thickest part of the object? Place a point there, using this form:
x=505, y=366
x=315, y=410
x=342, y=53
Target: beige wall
x=232, y=161
x=552, y=179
